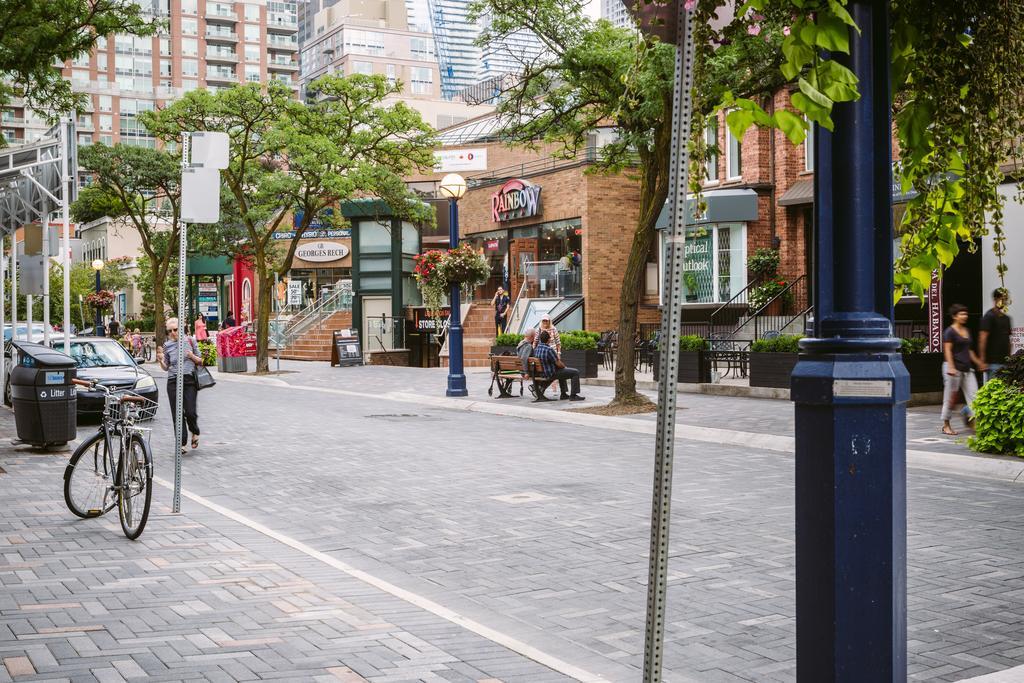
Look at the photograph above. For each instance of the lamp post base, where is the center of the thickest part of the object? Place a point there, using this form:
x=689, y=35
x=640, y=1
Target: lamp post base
x=457, y=385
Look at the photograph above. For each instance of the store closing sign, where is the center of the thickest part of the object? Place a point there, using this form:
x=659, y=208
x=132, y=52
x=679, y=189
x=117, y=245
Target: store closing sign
x=321, y=252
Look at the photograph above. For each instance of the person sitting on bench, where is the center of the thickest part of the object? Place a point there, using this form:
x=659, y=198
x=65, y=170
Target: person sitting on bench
x=554, y=369
x=525, y=350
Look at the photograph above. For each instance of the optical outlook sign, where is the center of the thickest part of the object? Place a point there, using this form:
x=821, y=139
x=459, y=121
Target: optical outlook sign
x=515, y=199
x=321, y=252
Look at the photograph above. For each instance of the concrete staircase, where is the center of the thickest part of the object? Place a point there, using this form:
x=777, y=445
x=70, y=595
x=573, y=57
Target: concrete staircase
x=477, y=336
x=315, y=343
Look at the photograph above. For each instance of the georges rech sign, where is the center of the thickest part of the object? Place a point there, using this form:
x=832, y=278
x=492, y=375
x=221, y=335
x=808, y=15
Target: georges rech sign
x=515, y=199
x=322, y=252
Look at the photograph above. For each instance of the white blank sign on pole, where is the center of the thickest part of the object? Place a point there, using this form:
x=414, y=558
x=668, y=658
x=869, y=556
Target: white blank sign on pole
x=200, y=195
x=209, y=150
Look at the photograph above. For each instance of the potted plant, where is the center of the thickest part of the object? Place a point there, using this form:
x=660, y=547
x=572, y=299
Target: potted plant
x=693, y=365
x=764, y=293
x=506, y=343
x=925, y=367
x=579, y=350
x=772, y=360
x=690, y=280
x=436, y=272
x=999, y=411
x=763, y=263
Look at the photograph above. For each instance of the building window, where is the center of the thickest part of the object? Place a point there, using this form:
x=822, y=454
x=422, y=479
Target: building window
x=252, y=74
x=714, y=262
x=188, y=84
x=733, y=156
x=81, y=60
x=421, y=48
x=252, y=53
x=85, y=138
x=190, y=27
x=809, y=149
x=106, y=122
x=711, y=138
x=190, y=47
x=106, y=103
x=364, y=42
x=165, y=47
x=390, y=72
x=422, y=79
x=252, y=12
x=189, y=67
x=365, y=68
x=252, y=32
x=189, y=7
x=165, y=68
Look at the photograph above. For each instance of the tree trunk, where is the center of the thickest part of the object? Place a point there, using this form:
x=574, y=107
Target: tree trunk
x=159, y=320
x=653, y=191
x=266, y=290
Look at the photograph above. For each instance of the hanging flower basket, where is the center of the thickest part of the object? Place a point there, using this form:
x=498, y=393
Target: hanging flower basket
x=436, y=272
x=101, y=300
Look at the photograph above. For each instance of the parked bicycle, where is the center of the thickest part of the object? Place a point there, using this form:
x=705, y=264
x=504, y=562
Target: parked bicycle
x=113, y=467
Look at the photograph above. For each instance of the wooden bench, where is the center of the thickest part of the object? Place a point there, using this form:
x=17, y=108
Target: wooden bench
x=506, y=370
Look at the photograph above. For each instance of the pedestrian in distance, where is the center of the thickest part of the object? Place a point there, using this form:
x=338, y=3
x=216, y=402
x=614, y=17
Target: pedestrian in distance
x=167, y=357
x=229, y=321
x=137, y=343
x=958, y=369
x=200, y=327
x=994, y=337
x=554, y=368
x=556, y=339
x=500, y=301
x=114, y=328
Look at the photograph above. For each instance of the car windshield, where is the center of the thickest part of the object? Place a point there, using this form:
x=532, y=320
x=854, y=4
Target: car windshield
x=97, y=354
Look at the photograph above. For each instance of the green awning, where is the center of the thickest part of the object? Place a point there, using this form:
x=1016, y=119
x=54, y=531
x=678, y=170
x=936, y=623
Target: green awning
x=723, y=206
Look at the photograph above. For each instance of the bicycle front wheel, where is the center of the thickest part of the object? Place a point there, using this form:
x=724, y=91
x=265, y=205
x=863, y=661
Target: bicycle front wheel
x=88, y=481
x=135, y=486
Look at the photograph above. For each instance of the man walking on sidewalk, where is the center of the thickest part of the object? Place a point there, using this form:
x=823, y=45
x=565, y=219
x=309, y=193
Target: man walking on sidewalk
x=994, y=339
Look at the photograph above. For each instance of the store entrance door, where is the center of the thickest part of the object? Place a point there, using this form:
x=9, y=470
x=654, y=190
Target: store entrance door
x=522, y=251
x=378, y=325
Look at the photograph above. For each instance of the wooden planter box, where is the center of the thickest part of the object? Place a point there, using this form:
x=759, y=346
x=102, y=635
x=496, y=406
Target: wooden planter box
x=693, y=367
x=925, y=371
x=584, y=360
x=772, y=369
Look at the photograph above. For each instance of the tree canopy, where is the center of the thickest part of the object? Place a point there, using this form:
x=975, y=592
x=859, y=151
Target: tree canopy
x=288, y=157
x=34, y=34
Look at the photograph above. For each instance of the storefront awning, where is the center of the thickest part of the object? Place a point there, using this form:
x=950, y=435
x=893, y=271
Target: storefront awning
x=723, y=206
x=800, y=192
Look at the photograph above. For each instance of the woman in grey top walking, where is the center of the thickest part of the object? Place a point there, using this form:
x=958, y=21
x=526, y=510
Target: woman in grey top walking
x=167, y=357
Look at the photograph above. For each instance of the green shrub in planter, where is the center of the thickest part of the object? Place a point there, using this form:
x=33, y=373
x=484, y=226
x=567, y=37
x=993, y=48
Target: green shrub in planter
x=784, y=343
x=578, y=342
x=999, y=418
x=508, y=339
x=208, y=352
x=915, y=345
x=692, y=342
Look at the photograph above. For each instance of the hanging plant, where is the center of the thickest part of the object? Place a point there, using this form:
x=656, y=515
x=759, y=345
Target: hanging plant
x=432, y=284
x=101, y=300
x=437, y=271
x=465, y=267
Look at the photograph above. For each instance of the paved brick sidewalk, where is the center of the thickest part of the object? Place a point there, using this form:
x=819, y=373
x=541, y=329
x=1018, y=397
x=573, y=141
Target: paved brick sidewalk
x=189, y=602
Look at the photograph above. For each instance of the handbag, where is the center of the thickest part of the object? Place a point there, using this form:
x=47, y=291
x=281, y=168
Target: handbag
x=200, y=374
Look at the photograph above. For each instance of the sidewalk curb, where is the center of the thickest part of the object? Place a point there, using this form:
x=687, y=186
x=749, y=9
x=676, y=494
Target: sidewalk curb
x=1006, y=469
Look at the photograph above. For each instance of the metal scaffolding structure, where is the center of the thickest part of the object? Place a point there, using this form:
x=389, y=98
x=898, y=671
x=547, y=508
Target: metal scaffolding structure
x=36, y=181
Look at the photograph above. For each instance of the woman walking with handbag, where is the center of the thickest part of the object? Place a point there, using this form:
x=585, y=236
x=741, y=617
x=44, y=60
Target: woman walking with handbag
x=167, y=357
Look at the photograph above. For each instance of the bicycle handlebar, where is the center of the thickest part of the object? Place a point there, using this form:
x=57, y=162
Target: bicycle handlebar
x=83, y=383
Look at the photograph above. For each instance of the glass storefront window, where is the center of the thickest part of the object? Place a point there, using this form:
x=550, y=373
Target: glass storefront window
x=714, y=269
x=374, y=237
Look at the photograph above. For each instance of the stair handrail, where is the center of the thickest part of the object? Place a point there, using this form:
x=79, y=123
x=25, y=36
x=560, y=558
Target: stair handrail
x=514, y=310
x=312, y=314
x=756, y=282
x=756, y=315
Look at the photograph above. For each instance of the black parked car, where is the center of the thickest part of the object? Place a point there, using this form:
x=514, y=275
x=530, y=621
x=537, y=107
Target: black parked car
x=107, y=362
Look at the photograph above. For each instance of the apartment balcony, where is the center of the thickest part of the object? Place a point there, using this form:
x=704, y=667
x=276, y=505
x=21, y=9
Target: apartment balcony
x=12, y=122
x=222, y=17
x=222, y=57
x=221, y=77
x=282, y=26
x=84, y=126
x=221, y=37
x=287, y=67
x=282, y=43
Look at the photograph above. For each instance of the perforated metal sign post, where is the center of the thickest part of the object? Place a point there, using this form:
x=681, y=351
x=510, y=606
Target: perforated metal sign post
x=661, y=506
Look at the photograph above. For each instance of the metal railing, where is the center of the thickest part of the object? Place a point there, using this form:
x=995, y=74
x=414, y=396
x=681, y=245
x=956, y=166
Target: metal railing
x=313, y=315
x=729, y=314
x=776, y=314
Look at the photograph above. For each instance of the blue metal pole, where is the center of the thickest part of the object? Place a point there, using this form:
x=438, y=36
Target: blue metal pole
x=851, y=390
x=99, y=314
x=456, y=373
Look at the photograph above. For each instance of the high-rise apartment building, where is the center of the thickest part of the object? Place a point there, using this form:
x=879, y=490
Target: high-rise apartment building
x=206, y=44
x=374, y=37
x=615, y=11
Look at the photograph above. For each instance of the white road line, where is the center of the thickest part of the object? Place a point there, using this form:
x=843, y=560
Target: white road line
x=414, y=599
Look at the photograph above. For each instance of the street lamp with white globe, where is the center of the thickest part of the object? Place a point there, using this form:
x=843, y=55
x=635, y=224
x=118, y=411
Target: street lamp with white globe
x=453, y=188
x=97, y=265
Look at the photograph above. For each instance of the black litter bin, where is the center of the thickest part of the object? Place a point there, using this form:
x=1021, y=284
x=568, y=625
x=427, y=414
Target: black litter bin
x=45, y=403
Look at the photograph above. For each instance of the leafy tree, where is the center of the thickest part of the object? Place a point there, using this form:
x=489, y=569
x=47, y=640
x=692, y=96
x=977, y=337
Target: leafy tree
x=595, y=74
x=141, y=186
x=287, y=156
x=144, y=281
x=958, y=91
x=36, y=33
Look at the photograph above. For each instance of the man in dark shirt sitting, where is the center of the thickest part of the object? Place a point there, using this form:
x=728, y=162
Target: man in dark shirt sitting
x=554, y=368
